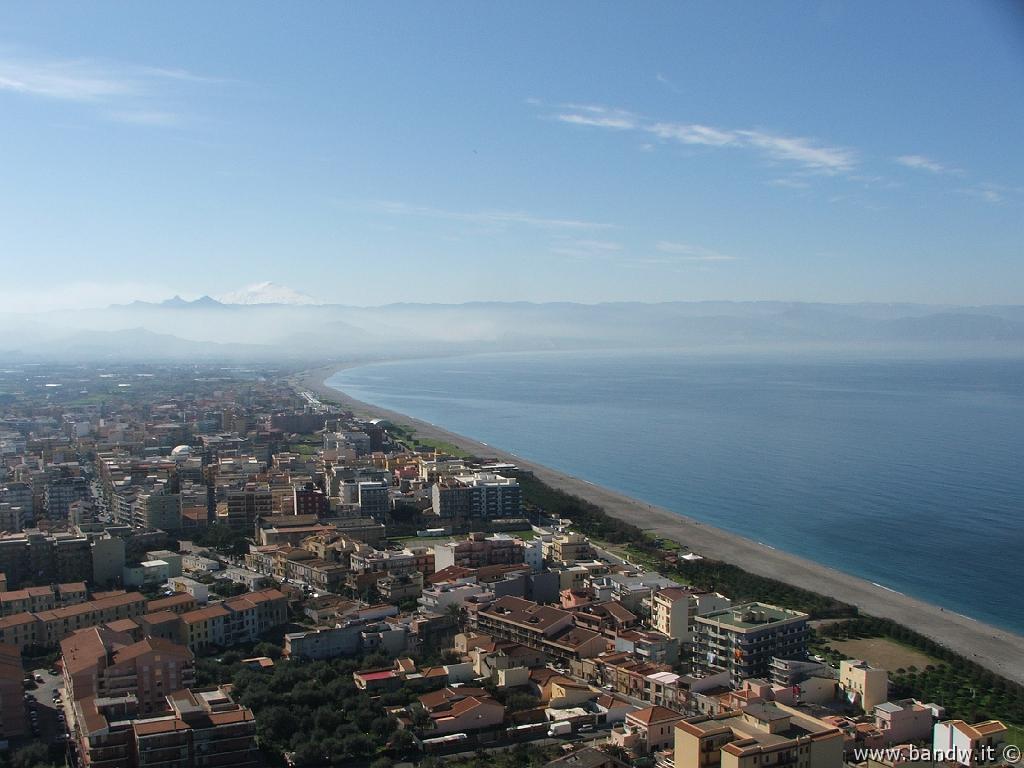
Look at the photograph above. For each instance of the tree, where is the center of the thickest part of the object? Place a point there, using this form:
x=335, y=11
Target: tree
x=402, y=744
x=267, y=649
x=420, y=718
x=308, y=754
x=228, y=588
x=357, y=745
x=223, y=539
x=277, y=724
x=455, y=611
x=35, y=755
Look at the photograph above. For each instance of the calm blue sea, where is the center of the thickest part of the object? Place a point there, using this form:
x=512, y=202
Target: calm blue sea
x=907, y=473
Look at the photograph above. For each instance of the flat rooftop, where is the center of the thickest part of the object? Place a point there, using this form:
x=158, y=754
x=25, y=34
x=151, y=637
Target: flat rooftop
x=751, y=616
x=749, y=727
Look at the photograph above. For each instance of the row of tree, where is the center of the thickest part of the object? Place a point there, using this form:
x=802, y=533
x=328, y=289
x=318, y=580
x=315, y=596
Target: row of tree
x=708, y=574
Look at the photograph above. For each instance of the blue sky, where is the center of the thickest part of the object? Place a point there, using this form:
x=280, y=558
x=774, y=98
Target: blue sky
x=371, y=153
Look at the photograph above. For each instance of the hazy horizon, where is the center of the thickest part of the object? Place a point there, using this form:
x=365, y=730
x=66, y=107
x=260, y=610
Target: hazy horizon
x=207, y=329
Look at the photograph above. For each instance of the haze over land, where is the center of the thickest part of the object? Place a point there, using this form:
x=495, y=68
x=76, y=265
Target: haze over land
x=252, y=329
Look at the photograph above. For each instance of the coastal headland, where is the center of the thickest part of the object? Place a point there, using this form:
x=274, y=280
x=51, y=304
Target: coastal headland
x=997, y=649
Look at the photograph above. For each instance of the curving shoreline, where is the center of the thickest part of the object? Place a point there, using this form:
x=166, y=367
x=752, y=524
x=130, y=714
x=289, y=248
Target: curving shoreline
x=998, y=649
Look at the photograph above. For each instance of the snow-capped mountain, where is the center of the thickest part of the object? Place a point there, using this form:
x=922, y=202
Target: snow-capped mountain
x=268, y=293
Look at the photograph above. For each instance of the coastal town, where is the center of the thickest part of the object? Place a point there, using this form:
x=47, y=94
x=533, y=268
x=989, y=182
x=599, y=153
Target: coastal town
x=214, y=566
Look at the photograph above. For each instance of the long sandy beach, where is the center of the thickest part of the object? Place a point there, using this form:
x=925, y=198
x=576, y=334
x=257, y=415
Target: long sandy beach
x=997, y=649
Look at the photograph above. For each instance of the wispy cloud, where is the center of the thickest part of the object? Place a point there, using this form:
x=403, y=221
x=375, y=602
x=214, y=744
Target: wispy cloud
x=183, y=75
x=146, y=117
x=121, y=93
x=788, y=183
x=585, y=249
x=667, y=82
x=693, y=133
x=988, y=193
x=622, y=123
x=73, y=80
x=690, y=252
x=665, y=253
x=804, y=152
x=487, y=217
x=922, y=163
x=600, y=117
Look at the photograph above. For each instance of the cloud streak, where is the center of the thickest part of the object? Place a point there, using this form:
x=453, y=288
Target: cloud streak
x=145, y=117
x=805, y=152
x=485, y=217
x=987, y=192
x=585, y=249
x=598, y=117
x=690, y=252
x=922, y=163
x=76, y=80
x=120, y=93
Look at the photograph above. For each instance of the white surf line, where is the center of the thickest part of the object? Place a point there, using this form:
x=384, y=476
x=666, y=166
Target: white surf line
x=887, y=589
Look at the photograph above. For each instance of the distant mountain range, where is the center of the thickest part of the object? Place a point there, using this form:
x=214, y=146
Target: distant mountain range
x=271, y=322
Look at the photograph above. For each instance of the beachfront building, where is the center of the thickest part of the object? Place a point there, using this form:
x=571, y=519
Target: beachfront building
x=567, y=548
x=477, y=496
x=961, y=743
x=674, y=610
x=743, y=640
x=863, y=685
x=905, y=720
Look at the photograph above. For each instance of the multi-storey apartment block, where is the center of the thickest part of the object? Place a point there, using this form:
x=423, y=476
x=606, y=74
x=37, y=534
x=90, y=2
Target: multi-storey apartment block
x=744, y=638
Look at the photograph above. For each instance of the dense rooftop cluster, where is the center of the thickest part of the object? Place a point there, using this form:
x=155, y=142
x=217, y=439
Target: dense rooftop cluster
x=154, y=519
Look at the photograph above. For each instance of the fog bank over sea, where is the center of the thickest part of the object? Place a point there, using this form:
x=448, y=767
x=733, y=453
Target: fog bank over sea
x=907, y=473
